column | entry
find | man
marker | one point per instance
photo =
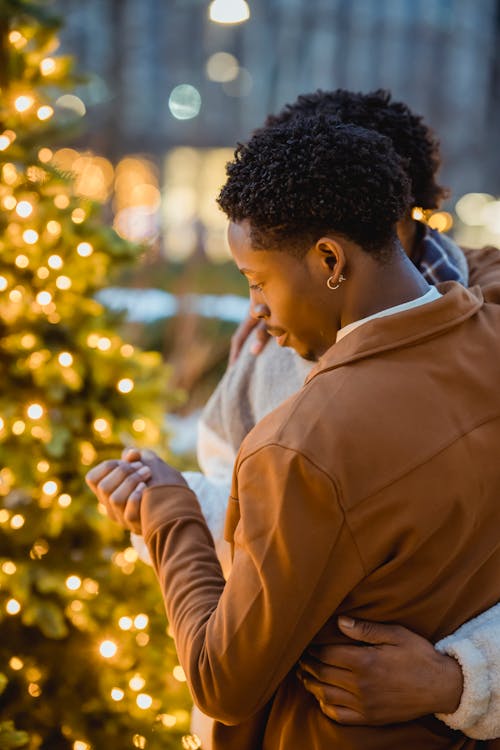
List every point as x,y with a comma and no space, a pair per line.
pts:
284,192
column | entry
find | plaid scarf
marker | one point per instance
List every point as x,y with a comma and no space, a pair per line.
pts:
441,259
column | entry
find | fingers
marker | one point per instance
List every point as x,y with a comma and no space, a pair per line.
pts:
261,338
239,337
325,673
94,476
372,632
131,454
117,485
336,703
347,658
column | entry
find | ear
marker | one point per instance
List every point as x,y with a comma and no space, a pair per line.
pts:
330,255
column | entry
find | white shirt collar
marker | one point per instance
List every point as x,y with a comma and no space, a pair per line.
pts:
429,296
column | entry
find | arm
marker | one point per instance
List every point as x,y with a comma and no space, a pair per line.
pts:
484,270
397,675
215,622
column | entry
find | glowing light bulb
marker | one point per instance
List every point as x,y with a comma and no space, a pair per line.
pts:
117,694
138,740
17,39
54,228
141,621
23,103
81,745
55,262
125,623
43,467
101,425
50,487
30,236
139,425
61,201
4,142
9,202
93,340
22,261
47,66
104,344
64,500
16,295
17,521
45,155
13,607
63,282
108,649
137,682
18,427
229,11
179,674
9,568
35,411
45,112
84,249
144,700
125,385
78,215
126,350
24,209
130,555
65,359
73,583
16,663
44,298
167,720
43,273
3,283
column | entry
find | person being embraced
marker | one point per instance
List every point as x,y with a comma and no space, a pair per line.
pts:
346,498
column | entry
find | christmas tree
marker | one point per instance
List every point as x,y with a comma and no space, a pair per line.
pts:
85,659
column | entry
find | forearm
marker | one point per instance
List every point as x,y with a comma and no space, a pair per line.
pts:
476,647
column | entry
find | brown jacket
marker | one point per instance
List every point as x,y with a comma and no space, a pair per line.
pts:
372,492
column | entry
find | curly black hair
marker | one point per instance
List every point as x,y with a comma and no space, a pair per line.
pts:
299,180
412,139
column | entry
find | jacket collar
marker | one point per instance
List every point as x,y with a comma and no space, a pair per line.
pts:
403,329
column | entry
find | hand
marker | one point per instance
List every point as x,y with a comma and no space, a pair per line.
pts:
159,471
399,676
243,332
118,486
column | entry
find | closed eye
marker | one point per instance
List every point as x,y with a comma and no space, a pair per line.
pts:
255,287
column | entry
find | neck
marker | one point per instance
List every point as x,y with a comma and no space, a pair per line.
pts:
407,234
380,285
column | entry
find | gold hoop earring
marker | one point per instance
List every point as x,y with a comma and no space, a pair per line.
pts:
330,284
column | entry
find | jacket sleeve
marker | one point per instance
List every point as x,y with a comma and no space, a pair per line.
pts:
237,640
484,270
476,646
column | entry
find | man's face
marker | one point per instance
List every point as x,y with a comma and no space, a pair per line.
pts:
288,293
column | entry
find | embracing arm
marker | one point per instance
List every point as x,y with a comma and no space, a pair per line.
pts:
214,621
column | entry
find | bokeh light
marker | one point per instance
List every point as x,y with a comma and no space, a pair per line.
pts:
184,102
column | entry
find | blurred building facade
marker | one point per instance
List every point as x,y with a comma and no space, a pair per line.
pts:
440,56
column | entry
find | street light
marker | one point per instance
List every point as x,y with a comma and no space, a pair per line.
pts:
229,11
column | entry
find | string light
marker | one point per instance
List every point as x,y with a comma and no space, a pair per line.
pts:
127,350
144,701
101,425
13,607
139,425
47,66
3,283
73,583
63,282
4,515
137,682
54,228
22,261
17,39
16,663
16,295
9,202
23,103
65,359
78,216
24,209
55,262
81,745
17,521
125,623
167,720
43,273
50,487
18,427
4,142
45,155
34,690
103,344
141,621
179,673
9,568
117,694
139,741
125,385
45,112
30,236
108,649
64,500
43,466
44,298
35,411
84,249
61,201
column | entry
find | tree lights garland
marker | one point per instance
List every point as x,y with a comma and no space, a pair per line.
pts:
79,666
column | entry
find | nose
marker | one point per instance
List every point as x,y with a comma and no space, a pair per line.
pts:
259,311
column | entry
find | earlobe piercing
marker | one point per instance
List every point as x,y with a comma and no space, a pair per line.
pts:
330,285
